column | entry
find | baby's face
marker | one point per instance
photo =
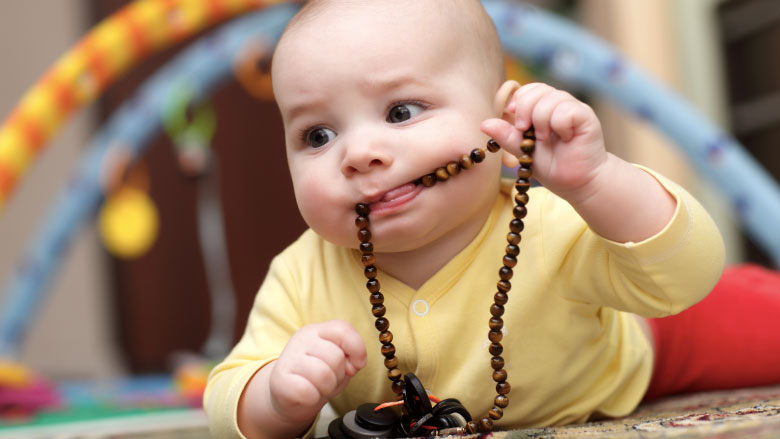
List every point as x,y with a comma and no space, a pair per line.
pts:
373,98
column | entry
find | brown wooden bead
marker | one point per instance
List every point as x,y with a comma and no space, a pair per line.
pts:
510,261
492,145
428,180
366,248
504,286
495,336
373,285
361,222
496,310
513,238
368,260
394,374
370,272
388,350
472,427
381,324
385,337
465,161
503,388
521,198
497,362
376,298
528,146
477,155
525,160
522,185
495,349
519,211
391,363
486,424
529,133
516,226
453,168
362,209
496,413
364,235
505,273
496,323
512,249
499,376
500,298
524,173
398,388
441,174
378,310
501,401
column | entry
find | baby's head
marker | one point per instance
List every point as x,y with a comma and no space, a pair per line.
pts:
375,94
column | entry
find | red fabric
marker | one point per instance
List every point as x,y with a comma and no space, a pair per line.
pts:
730,339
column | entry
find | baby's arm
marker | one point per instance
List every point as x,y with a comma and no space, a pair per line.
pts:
619,201
284,398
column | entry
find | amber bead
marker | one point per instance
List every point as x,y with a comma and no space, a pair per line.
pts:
501,401
513,238
477,155
505,273
370,272
376,298
497,362
388,350
385,337
472,427
492,145
378,310
381,324
521,198
504,286
465,161
362,209
391,363
496,413
524,172
510,261
503,388
522,185
394,374
486,424
366,248
364,235
453,168
525,160
398,387
512,249
500,298
528,146
519,211
499,376
441,174
361,222
496,323
495,336
373,285
428,180
516,226
529,133
496,310
495,349
367,260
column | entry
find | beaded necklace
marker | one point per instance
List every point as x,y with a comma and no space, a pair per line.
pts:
496,324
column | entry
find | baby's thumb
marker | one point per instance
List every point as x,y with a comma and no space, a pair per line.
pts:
504,133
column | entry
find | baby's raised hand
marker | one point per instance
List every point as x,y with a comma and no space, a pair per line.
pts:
315,365
569,147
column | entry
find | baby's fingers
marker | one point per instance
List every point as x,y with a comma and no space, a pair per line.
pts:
504,133
343,335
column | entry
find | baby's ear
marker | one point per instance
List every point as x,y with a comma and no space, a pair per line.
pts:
502,99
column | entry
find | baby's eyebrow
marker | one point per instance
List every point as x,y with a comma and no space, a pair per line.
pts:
375,83
304,107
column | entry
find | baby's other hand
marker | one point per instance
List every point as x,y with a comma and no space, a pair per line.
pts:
569,148
315,365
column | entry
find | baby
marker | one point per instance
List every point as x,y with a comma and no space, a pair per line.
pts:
376,94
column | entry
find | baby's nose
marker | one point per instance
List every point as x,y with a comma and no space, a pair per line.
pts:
364,156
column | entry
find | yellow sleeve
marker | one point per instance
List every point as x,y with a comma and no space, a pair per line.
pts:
274,318
659,276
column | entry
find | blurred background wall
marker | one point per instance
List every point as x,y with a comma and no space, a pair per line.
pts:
105,317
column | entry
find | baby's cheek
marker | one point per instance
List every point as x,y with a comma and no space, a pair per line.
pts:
324,213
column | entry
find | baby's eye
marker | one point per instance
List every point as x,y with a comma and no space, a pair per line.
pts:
403,112
319,137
